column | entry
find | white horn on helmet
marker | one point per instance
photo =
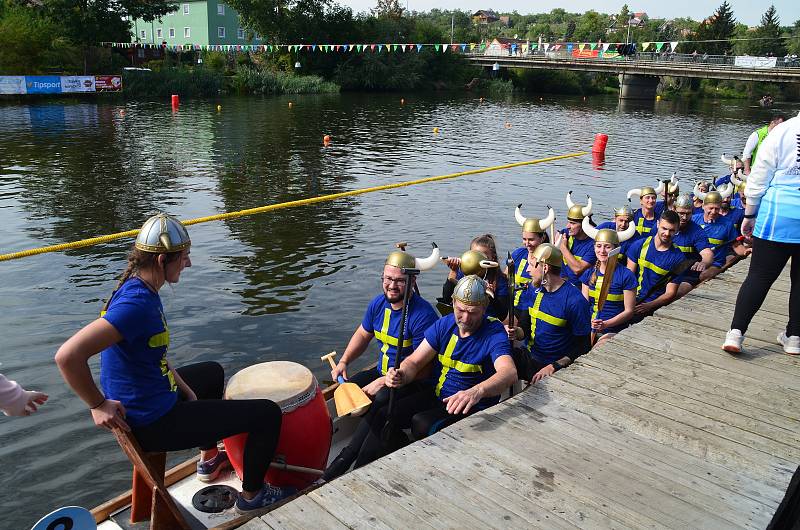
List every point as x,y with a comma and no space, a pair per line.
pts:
734,179
570,204
547,221
587,210
697,193
488,264
634,191
726,161
660,188
591,231
726,190
518,215
627,233
428,263
674,178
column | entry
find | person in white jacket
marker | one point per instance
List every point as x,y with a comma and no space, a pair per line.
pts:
772,219
16,401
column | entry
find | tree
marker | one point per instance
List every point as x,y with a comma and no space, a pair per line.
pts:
388,9
591,27
719,27
571,25
794,41
768,35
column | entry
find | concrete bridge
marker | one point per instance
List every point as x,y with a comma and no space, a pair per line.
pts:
639,75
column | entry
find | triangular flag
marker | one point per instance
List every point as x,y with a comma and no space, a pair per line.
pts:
454,47
471,46
444,48
436,47
314,47
659,45
419,47
646,45
372,47
581,46
359,47
380,47
463,48
545,46
483,46
593,45
569,47
673,45
513,48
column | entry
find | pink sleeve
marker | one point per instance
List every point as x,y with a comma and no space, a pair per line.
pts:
12,397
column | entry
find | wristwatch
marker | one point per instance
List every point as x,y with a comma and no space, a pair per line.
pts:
556,366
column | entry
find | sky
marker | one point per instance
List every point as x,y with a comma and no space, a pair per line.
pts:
746,11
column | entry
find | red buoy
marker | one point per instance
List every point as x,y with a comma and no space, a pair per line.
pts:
600,141
175,100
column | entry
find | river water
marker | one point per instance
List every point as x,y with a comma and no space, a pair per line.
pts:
292,284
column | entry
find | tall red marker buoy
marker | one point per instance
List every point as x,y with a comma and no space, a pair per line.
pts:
600,141
175,101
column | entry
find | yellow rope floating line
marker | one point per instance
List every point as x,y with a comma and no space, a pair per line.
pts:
271,207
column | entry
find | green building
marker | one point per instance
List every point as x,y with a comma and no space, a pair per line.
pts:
201,22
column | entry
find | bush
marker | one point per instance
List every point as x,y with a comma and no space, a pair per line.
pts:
262,81
184,81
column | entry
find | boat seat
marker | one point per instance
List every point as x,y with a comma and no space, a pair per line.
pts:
149,496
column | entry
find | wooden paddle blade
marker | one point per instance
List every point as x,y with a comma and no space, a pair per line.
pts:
349,398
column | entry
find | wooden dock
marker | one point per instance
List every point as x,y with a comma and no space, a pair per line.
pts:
658,429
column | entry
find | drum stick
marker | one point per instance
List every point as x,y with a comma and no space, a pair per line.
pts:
296,469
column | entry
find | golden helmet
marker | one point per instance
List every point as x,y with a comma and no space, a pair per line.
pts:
623,211
471,290
714,196
403,260
606,235
641,192
549,254
577,212
162,233
471,262
532,224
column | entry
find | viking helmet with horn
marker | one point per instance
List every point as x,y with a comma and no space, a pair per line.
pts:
403,260
623,211
647,190
163,233
606,235
716,196
532,224
659,190
476,262
549,254
577,212
471,290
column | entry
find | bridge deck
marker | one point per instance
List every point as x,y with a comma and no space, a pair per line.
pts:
658,429
642,67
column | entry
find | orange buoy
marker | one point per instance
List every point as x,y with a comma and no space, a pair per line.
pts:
326,140
507,125
436,130
175,100
600,141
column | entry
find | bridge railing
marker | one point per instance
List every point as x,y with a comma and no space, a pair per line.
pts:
643,57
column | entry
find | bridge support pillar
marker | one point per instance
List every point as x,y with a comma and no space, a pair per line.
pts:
633,86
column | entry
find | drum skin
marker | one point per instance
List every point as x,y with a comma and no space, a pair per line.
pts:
305,440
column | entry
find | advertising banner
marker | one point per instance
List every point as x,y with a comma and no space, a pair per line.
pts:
43,84
748,61
12,84
108,83
77,83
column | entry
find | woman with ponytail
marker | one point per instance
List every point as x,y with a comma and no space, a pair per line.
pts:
166,409
617,309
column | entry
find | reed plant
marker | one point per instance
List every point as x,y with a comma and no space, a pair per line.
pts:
249,80
188,82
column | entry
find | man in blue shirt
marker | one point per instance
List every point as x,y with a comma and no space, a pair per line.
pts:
646,217
382,321
721,233
575,246
554,319
691,239
534,233
652,259
471,363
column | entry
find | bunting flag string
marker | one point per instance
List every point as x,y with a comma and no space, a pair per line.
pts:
569,47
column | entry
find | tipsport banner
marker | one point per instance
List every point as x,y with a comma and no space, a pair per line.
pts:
51,84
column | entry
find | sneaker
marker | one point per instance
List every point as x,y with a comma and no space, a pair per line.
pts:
340,465
268,495
209,470
733,341
791,343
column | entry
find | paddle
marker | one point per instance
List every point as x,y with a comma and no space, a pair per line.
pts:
674,272
391,436
349,397
608,276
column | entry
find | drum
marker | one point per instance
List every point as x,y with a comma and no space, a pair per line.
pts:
306,430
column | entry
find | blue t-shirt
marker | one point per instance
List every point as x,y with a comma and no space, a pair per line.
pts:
462,363
583,250
611,225
134,371
719,232
735,216
624,280
522,277
652,265
556,317
691,240
721,181
384,322
644,226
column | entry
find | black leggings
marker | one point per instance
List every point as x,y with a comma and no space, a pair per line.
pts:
766,263
203,422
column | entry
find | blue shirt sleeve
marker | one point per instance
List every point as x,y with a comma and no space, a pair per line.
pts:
125,314
629,282
588,255
634,249
433,333
701,240
498,344
369,316
586,276
423,319
582,311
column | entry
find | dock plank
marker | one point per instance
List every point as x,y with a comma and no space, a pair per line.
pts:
658,428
